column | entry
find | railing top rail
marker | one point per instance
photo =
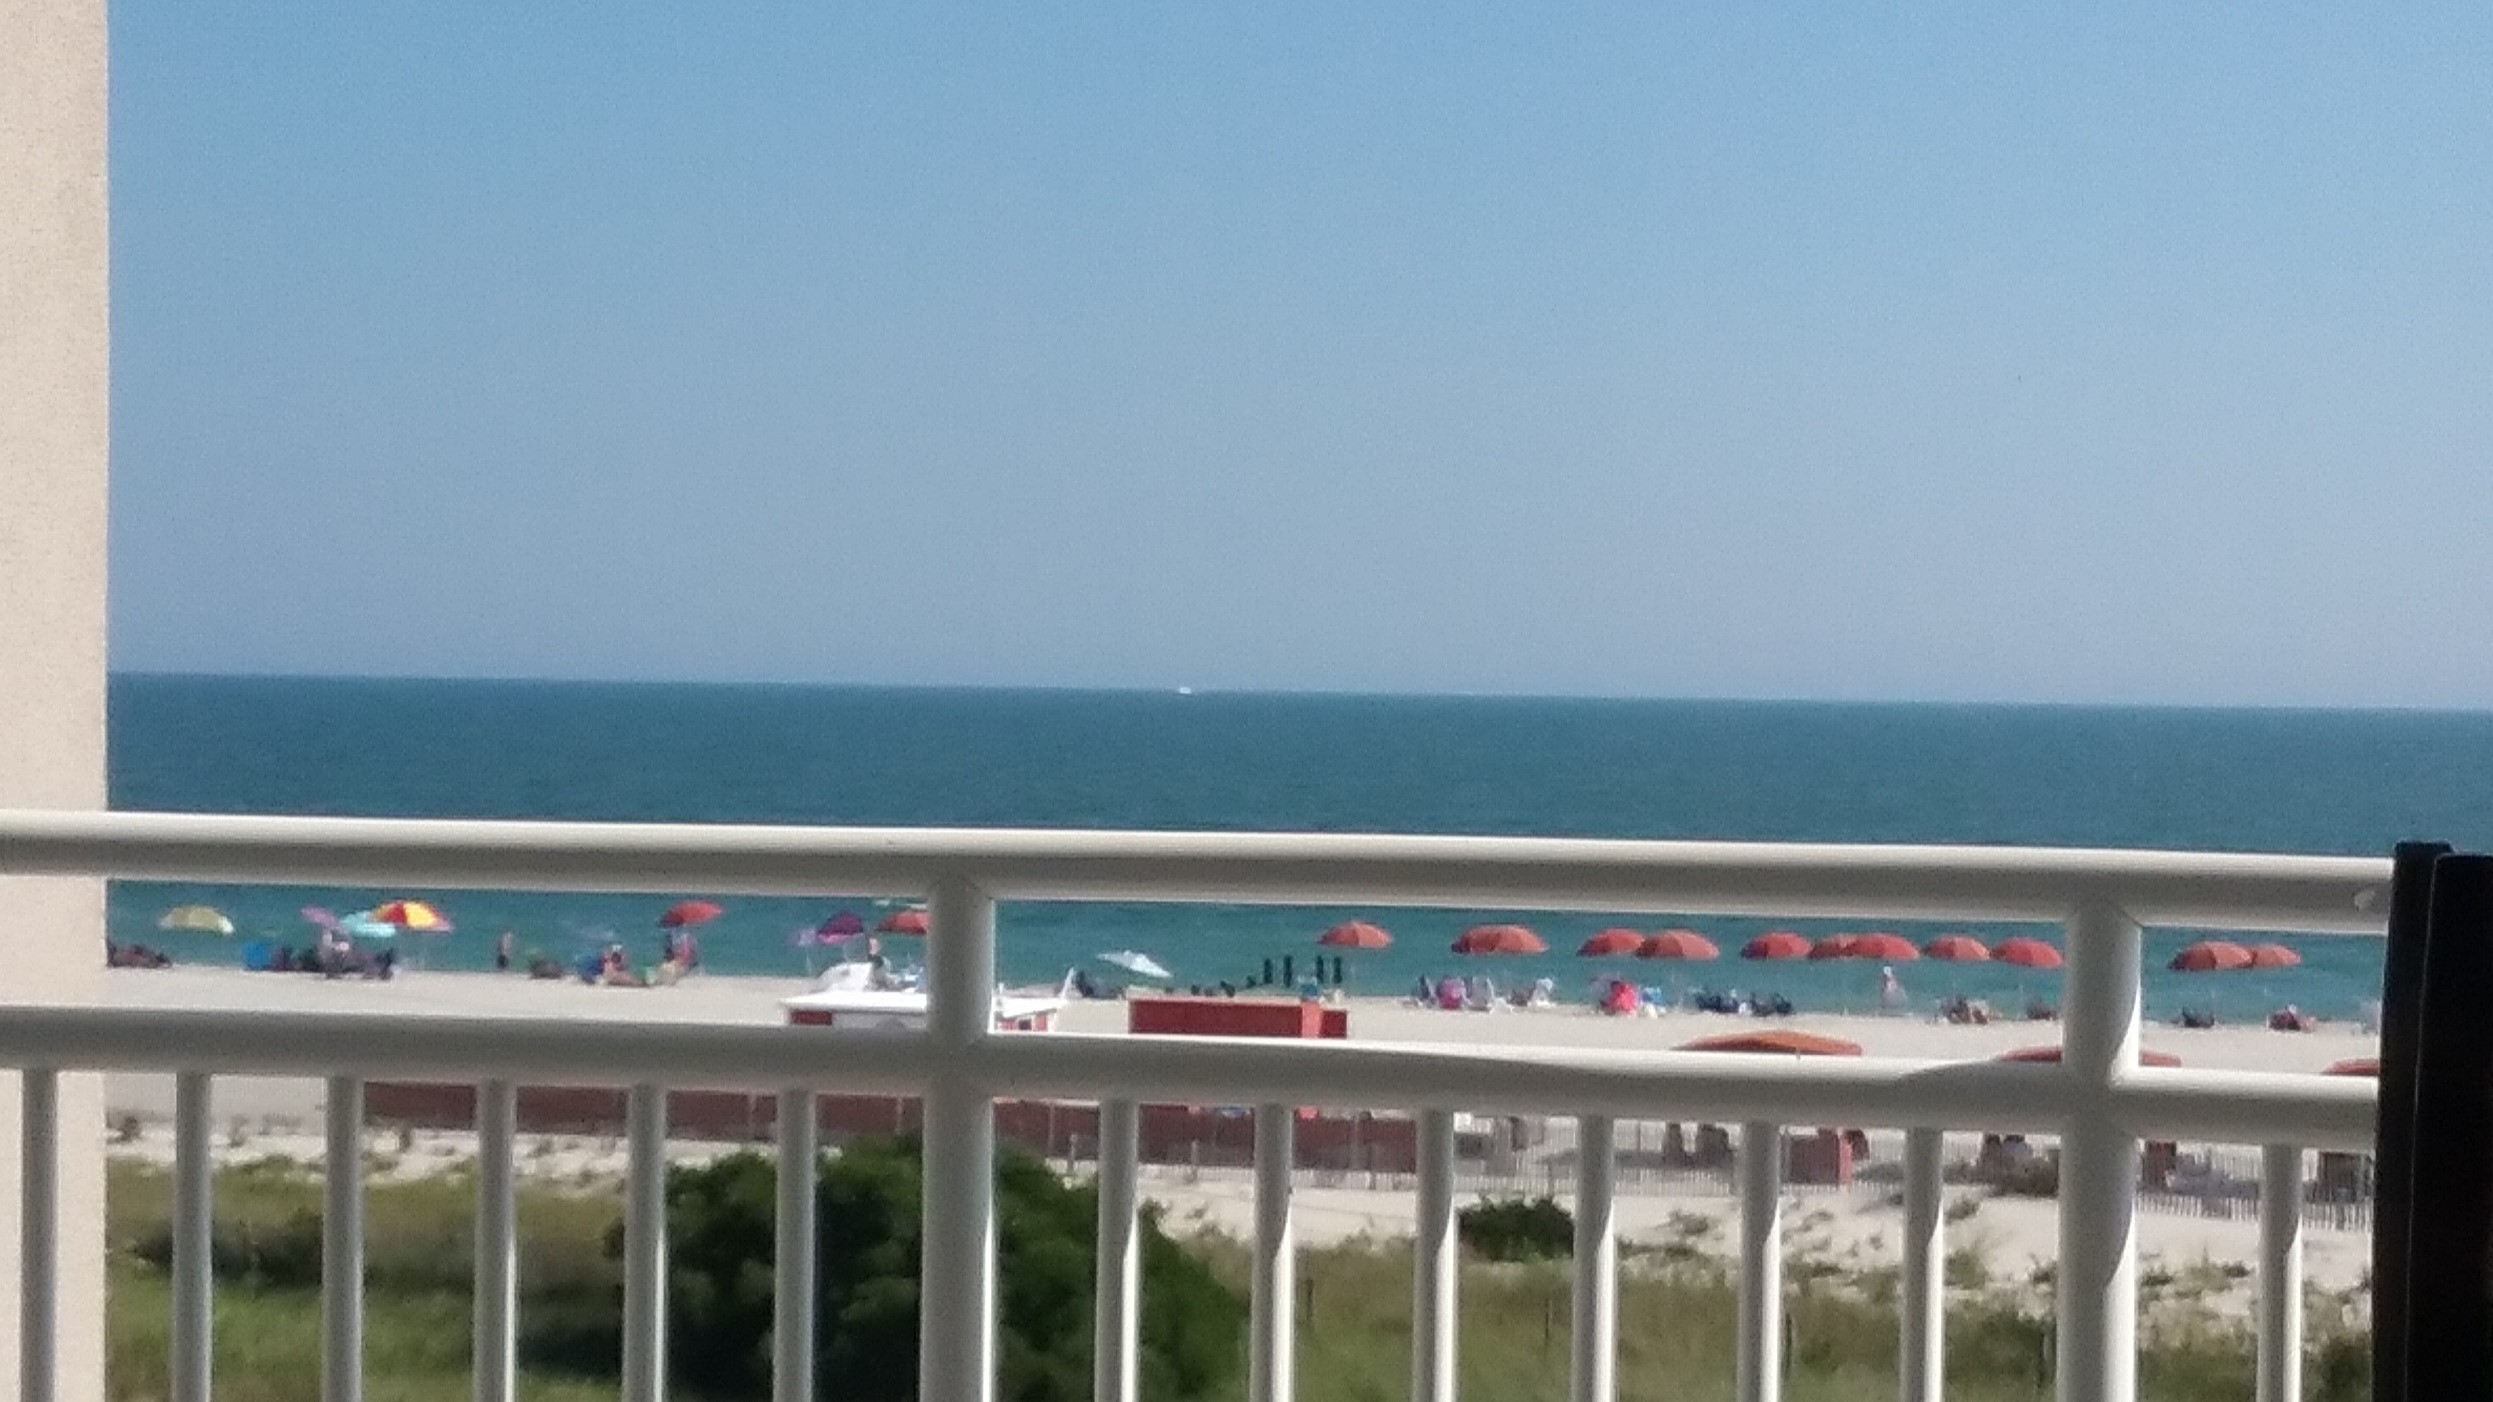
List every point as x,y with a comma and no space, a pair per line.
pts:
2199,889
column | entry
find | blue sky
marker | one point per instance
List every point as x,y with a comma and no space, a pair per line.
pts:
2013,352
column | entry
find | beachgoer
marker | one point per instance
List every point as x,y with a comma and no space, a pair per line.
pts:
1890,992
502,952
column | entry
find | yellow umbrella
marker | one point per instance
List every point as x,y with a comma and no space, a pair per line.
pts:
412,915
204,919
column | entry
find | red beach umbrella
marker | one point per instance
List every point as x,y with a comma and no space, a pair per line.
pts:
2211,957
1787,1042
1356,934
1958,949
1499,939
1611,943
1834,947
1887,949
684,913
902,922
1679,944
1776,944
2052,1054
2273,956
2027,953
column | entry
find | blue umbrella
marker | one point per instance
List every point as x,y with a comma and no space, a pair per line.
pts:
361,926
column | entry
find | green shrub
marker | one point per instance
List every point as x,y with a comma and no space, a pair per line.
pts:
1517,1229
721,1241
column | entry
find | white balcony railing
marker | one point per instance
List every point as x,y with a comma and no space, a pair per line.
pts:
2098,1099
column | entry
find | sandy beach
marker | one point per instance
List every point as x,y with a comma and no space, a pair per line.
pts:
705,998
1858,1225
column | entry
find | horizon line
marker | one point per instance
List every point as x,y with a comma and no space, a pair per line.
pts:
1200,692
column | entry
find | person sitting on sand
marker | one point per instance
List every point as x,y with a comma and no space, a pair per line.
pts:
2290,1019
616,970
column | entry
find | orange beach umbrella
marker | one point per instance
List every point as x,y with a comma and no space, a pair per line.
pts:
2053,1054
1356,934
2211,957
2027,953
1611,943
1679,944
1776,944
1500,939
1782,1040
1957,949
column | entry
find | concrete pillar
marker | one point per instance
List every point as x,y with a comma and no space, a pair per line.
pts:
54,392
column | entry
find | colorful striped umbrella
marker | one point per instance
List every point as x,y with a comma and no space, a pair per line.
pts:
410,915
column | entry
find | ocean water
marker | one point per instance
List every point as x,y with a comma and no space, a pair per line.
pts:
2252,781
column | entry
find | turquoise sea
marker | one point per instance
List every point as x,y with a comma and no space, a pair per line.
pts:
2280,781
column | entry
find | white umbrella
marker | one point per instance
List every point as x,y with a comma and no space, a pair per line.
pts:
1137,964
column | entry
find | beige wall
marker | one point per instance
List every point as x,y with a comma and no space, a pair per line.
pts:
54,390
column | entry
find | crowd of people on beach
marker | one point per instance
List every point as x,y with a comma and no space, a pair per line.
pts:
609,965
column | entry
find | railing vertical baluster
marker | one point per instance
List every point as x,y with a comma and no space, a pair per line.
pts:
1273,1311
1921,1307
496,1309
956,1311
194,1208
792,1293
1436,1262
2280,1274
2098,1269
1593,1366
39,1184
342,1245
645,1246
1758,1370
1116,1325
